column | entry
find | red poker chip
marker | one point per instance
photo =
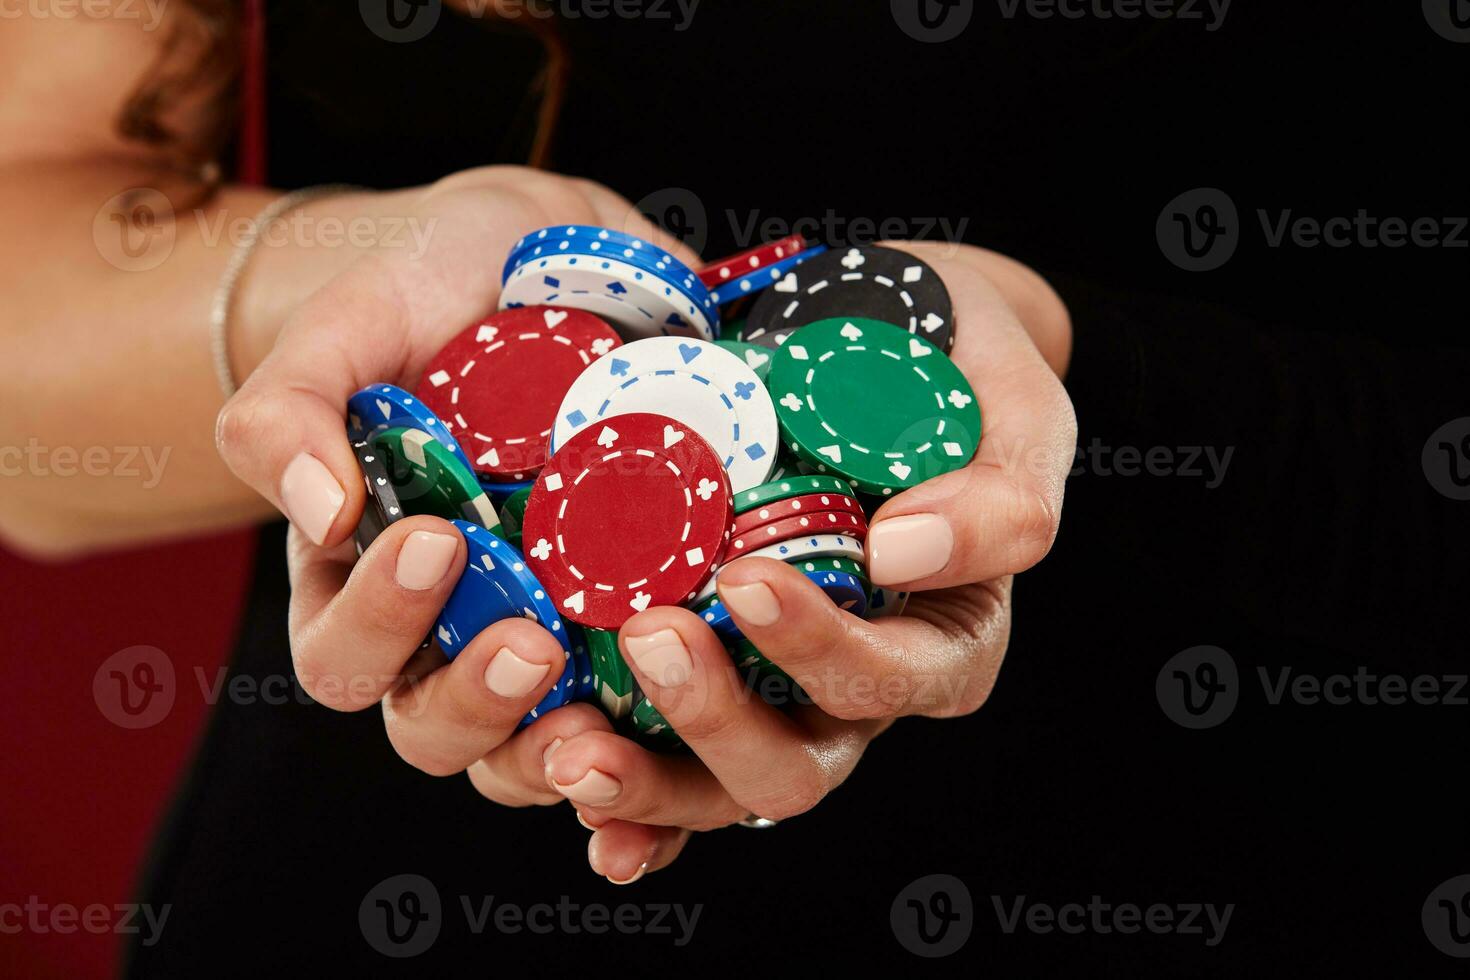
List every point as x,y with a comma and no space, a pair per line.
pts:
790,528
498,384
751,260
630,513
814,503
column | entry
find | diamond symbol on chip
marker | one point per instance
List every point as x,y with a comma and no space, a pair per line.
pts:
439,378
542,551
706,489
959,399
953,449
607,437
851,332
694,556
913,273
853,259
798,353
791,401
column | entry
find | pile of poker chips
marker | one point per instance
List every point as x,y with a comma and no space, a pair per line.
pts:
634,453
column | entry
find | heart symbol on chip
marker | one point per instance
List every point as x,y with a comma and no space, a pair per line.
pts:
851,332
554,317
834,453
576,602
385,407
689,352
639,602
672,436
607,437
787,285
491,458
900,470
917,348
756,360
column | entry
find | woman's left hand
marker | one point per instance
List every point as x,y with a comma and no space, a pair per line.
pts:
955,542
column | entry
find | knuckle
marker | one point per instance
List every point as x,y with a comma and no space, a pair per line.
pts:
705,724
243,419
790,800
1034,521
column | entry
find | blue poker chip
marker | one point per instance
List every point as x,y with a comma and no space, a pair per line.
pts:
749,285
497,585
661,266
587,240
843,588
501,492
384,406
585,688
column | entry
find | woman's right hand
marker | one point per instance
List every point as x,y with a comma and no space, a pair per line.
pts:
356,625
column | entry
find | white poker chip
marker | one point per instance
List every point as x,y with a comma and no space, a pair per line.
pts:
886,602
640,302
696,382
816,546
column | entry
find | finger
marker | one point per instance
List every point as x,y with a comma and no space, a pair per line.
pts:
623,852
442,722
354,626
614,778
999,515
514,773
755,752
938,665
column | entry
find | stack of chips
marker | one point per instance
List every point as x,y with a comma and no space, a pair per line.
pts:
634,454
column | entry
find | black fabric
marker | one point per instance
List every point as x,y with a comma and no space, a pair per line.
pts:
1323,548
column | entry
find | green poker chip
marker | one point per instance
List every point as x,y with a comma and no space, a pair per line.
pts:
650,724
873,403
758,359
748,658
429,479
786,487
512,514
611,678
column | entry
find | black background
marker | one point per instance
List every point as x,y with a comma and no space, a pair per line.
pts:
1325,549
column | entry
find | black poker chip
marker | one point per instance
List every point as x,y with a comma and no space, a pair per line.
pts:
383,507
871,282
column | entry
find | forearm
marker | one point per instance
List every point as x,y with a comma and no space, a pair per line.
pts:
107,414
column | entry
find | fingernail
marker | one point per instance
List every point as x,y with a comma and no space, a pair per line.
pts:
905,549
511,677
662,657
755,603
594,789
583,822
311,495
550,750
642,870
423,560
